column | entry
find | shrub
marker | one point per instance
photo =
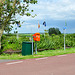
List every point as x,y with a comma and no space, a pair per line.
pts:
50,42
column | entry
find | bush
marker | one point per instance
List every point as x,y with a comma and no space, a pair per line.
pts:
50,42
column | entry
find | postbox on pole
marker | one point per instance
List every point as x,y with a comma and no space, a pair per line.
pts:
36,38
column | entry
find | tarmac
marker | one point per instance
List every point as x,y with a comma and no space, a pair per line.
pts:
5,60
54,65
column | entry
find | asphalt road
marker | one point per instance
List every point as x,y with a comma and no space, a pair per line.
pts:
5,60
55,65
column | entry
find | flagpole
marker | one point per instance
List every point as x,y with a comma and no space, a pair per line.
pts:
17,33
64,39
38,26
18,25
31,30
64,33
44,27
44,31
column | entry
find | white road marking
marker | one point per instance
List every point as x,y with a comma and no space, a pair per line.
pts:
61,55
41,58
14,63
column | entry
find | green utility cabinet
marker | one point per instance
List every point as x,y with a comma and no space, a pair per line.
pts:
26,48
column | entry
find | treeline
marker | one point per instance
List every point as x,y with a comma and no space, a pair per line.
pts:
55,31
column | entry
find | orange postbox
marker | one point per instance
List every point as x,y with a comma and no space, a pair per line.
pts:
36,37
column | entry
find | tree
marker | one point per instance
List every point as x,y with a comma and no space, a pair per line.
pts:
54,31
8,10
8,28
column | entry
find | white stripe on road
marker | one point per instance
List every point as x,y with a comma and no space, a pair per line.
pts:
61,55
41,58
14,63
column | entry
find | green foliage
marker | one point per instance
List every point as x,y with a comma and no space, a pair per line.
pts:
11,43
56,41
50,42
54,31
8,28
9,8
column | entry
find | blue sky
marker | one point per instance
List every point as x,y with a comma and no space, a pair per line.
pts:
54,12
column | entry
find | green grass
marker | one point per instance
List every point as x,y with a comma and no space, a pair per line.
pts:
45,53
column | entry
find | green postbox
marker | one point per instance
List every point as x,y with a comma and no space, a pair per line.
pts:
26,48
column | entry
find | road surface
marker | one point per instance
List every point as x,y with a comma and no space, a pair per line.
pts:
55,65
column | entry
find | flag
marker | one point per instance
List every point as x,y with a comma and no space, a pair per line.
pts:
44,23
38,25
18,24
64,28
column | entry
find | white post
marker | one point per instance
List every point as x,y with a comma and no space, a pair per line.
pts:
17,33
44,31
64,39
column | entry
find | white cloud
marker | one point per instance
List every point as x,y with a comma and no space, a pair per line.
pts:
28,28
53,9
31,26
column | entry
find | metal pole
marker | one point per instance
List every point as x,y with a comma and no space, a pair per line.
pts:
35,47
64,39
44,31
17,34
32,45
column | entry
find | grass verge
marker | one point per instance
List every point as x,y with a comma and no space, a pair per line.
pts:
45,53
